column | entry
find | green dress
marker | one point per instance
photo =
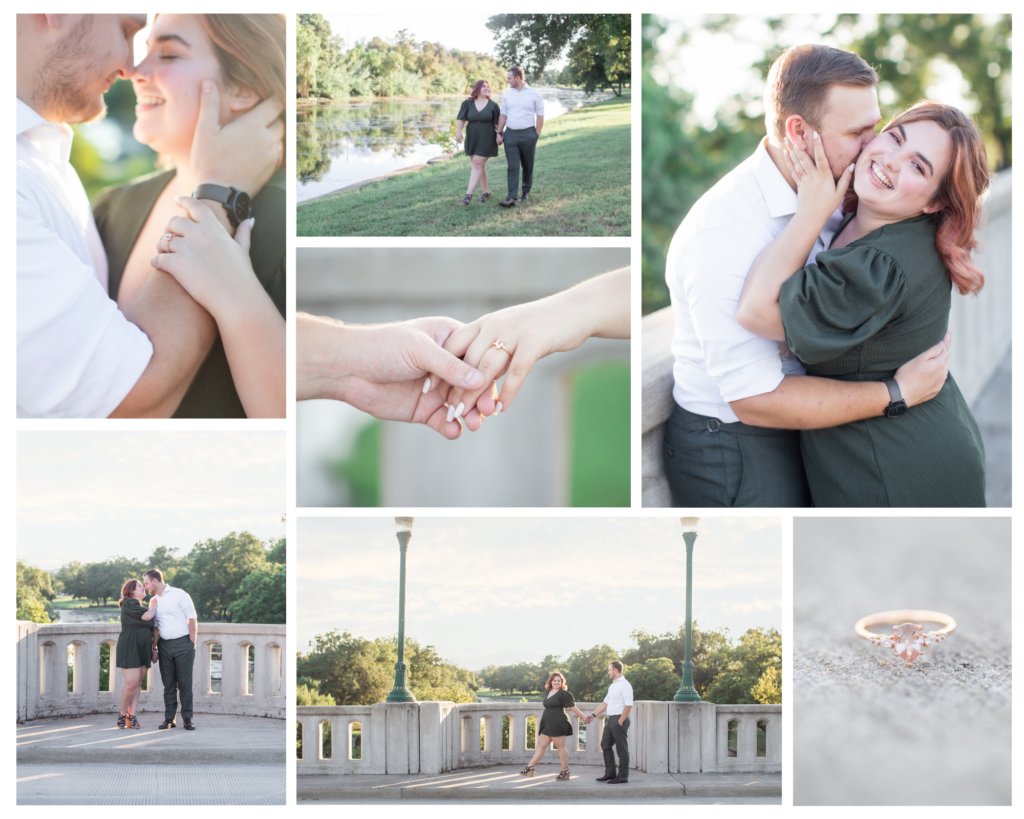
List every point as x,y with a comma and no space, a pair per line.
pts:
481,138
555,722
857,314
120,214
135,644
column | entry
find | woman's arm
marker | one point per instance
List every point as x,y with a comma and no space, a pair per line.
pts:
151,611
817,198
216,271
459,125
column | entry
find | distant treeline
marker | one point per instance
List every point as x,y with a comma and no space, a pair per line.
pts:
235,579
398,67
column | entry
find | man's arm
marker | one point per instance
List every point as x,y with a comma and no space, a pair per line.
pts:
599,710
625,714
193,630
540,123
501,122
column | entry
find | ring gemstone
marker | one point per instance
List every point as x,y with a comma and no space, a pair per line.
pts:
908,640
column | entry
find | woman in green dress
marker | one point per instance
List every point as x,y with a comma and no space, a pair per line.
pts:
479,116
554,724
878,297
244,373
134,653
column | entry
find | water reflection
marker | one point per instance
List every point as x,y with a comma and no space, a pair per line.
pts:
347,142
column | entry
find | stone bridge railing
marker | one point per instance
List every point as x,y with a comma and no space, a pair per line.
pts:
436,737
59,669
981,339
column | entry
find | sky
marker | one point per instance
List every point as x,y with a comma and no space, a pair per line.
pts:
499,590
90,496
466,32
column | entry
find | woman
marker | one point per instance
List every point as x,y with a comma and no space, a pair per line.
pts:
244,375
554,724
479,116
877,298
135,653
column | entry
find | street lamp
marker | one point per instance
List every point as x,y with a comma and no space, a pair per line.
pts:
401,692
686,692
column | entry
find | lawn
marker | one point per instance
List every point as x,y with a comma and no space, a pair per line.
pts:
65,602
581,187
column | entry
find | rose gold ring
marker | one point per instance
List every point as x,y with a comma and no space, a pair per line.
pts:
167,241
908,638
500,345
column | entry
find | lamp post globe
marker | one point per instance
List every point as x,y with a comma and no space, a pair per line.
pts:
401,692
686,692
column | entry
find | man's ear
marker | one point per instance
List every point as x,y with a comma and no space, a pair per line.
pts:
799,131
242,99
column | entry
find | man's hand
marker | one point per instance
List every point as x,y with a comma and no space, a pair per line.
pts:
921,378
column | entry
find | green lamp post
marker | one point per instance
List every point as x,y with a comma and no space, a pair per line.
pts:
401,692
686,692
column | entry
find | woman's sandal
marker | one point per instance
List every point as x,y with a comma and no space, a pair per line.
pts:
121,720
527,771
485,196
562,777
467,199
134,722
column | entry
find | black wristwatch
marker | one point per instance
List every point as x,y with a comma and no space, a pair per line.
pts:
897,406
237,203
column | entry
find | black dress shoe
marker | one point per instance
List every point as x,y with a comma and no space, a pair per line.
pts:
524,197
188,724
618,781
507,203
167,723
606,778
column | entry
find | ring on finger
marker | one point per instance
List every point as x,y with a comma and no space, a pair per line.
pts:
167,241
500,345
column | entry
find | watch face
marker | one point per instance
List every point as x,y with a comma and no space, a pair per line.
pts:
243,206
896,409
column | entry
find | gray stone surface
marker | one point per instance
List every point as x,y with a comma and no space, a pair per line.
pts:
96,739
151,784
504,783
867,730
993,410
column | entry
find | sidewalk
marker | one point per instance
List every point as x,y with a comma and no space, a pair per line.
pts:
504,783
993,410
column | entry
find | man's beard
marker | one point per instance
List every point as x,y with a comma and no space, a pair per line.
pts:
65,74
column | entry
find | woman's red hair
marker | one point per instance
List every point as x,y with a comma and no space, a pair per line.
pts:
565,685
476,88
127,590
960,191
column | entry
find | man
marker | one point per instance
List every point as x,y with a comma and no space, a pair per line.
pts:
519,126
618,702
78,355
732,439
176,648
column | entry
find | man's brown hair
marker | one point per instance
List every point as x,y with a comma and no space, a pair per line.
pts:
616,665
516,71
801,79
155,574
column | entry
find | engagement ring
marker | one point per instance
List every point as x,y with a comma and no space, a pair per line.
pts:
500,345
167,240
908,638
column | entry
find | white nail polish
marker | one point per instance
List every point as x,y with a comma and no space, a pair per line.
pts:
497,409
451,413
461,407
426,386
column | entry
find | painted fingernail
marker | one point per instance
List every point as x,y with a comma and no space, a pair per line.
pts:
177,198
207,86
497,408
451,412
474,378
852,166
815,134
426,385
252,222
459,409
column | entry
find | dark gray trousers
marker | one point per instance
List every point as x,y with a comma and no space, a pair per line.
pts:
177,657
709,463
615,734
520,147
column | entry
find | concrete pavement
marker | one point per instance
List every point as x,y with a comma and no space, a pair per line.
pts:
993,410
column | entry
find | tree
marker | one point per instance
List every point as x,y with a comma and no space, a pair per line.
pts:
307,692
655,679
218,568
588,671
768,690
757,651
164,559
706,649
262,597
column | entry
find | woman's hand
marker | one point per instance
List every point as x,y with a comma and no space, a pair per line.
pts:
458,136
818,194
501,139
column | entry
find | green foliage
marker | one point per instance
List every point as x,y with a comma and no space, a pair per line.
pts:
599,45
262,596
707,648
445,140
768,690
587,672
360,470
218,568
743,666
655,679
34,593
600,412
307,692
33,610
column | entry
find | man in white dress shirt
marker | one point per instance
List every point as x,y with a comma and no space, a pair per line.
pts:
618,702
78,355
519,126
176,648
732,440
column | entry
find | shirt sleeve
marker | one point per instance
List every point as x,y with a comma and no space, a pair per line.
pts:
841,301
463,111
504,105
78,356
538,104
568,700
627,694
709,269
187,607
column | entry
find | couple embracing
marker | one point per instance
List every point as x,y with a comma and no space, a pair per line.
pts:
164,633
516,125
811,291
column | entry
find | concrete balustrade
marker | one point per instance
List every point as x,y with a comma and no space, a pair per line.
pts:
42,668
982,329
431,738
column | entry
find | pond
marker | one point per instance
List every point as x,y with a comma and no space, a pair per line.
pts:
353,140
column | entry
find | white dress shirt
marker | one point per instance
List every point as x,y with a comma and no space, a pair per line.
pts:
716,360
173,612
520,107
620,694
78,356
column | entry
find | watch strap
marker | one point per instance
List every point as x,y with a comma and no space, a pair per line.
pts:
894,389
208,190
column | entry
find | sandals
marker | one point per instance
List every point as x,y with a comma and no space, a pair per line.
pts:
134,722
467,199
527,771
562,777
121,720
485,196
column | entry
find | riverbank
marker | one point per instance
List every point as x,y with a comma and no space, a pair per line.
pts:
581,188
313,101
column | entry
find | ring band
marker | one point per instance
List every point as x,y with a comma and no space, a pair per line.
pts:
908,638
167,241
500,345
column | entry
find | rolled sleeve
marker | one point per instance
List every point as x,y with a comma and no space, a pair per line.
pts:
188,607
627,695
538,104
78,356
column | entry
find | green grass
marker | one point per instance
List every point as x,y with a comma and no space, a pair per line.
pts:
518,697
581,187
600,436
65,602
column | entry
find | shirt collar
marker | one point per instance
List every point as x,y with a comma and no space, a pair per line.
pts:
778,195
53,139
